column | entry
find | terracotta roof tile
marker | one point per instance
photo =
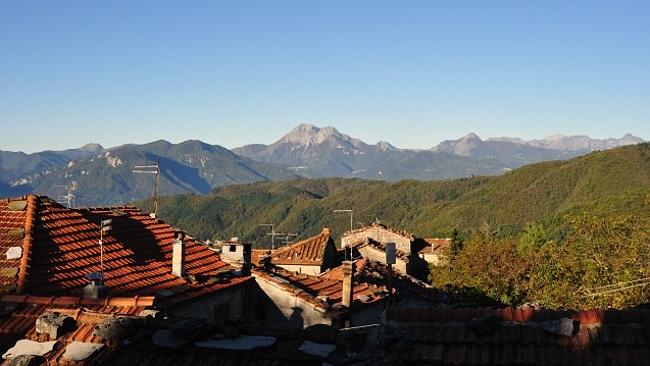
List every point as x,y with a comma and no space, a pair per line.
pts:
307,252
60,248
393,230
15,232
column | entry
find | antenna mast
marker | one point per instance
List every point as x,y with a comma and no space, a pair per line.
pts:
69,197
151,169
351,228
104,227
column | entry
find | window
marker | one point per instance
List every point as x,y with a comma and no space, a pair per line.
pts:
233,248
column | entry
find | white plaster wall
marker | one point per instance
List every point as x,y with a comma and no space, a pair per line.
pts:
311,270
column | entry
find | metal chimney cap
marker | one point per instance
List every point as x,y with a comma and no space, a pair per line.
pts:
94,276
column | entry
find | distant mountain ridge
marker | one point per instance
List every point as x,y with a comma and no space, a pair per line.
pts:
325,152
104,176
575,142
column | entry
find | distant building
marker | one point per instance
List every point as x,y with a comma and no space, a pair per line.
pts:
355,292
370,242
310,256
437,250
235,253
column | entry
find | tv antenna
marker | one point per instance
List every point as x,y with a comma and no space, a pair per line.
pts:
287,237
272,234
151,169
68,197
104,227
351,228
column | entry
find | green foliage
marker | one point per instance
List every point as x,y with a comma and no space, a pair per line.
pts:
541,193
597,252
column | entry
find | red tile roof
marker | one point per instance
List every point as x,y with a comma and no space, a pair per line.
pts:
306,252
14,233
326,289
61,248
402,233
139,350
436,245
22,311
521,336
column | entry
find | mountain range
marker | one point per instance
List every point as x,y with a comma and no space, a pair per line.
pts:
103,176
542,193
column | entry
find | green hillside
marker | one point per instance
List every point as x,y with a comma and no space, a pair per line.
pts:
602,183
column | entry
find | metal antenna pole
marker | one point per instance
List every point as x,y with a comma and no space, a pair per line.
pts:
104,226
155,189
151,169
351,227
272,233
101,249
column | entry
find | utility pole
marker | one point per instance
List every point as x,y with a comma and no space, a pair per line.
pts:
351,227
151,169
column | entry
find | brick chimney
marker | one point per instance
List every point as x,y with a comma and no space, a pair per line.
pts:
348,282
178,255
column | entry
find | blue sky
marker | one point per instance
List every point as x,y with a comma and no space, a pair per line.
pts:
410,72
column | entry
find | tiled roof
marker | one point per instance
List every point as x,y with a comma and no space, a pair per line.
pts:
137,255
326,289
138,349
522,336
18,316
374,225
14,236
436,245
306,252
258,254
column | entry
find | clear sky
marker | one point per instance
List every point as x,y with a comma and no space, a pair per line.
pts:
229,73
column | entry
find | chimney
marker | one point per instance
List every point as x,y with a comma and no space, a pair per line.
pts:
348,283
178,255
96,288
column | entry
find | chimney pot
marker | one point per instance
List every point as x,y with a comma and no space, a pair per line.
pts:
96,288
348,274
178,256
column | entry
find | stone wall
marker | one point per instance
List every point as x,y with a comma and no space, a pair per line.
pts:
380,235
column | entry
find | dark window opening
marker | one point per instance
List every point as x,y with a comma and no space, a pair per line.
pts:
233,248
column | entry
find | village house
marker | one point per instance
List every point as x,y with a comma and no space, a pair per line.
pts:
236,253
370,242
310,256
47,249
437,250
354,293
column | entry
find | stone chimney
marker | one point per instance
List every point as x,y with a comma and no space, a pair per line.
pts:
178,255
348,283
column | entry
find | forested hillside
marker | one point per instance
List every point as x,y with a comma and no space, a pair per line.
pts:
602,183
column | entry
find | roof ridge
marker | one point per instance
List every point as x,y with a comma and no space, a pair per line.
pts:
27,243
325,231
